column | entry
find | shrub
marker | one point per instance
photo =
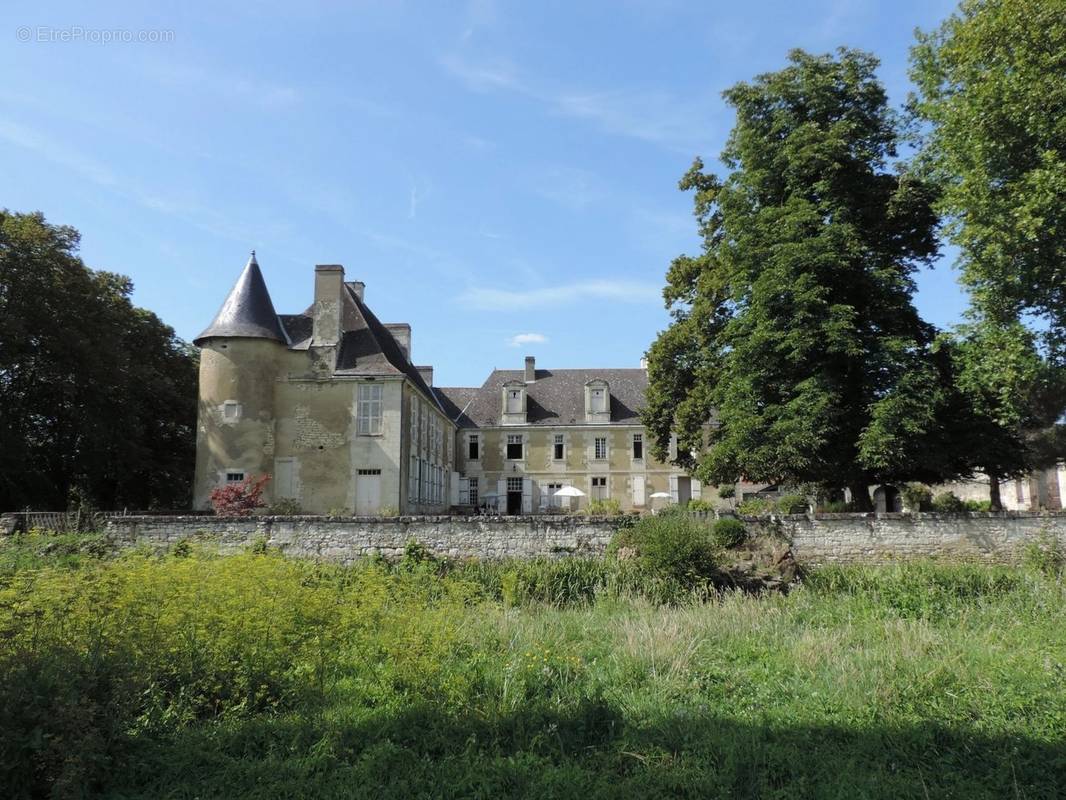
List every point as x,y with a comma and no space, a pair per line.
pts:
700,505
916,496
948,503
978,505
1045,556
285,508
728,533
608,507
726,492
836,507
677,547
793,504
239,499
756,507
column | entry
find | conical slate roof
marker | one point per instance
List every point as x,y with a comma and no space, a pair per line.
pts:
247,312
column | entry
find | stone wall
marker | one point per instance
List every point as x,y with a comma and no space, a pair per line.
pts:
880,538
827,538
347,539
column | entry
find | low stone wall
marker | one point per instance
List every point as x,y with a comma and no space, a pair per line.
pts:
826,538
881,538
349,538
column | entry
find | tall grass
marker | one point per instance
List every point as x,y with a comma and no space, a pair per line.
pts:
257,676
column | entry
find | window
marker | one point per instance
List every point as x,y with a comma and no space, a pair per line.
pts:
599,488
473,491
514,401
368,412
368,471
472,447
412,481
514,484
514,447
559,448
638,446
424,441
234,477
600,448
231,411
414,423
599,400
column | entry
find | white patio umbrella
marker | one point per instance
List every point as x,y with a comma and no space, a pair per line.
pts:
656,496
569,491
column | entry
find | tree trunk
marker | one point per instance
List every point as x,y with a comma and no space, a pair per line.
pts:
993,493
860,496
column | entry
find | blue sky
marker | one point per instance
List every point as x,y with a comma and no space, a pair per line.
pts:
489,169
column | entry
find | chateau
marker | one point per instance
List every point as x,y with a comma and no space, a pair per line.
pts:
330,403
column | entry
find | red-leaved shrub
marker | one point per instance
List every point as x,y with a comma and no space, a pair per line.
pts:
239,499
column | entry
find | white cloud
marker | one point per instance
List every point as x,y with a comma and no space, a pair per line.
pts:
527,338
564,294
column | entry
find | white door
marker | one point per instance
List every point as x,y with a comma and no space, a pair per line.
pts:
368,492
638,490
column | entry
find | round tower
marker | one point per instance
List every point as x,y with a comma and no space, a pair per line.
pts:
239,358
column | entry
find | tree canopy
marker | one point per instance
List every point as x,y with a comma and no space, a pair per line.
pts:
96,395
991,86
794,333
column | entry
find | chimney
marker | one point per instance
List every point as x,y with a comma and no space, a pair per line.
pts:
326,326
531,369
401,332
358,287
644,362
427,374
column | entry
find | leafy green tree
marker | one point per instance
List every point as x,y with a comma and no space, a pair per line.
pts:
992,89
795,353
97,396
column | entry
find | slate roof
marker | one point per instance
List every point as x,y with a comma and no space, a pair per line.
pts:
556,397
248,312
366,347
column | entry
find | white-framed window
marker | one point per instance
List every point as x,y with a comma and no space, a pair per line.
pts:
514,447
599,488
559,447
638,446
472,491
514,401
234,476
599,448
368,410
473,447
599,400
231,411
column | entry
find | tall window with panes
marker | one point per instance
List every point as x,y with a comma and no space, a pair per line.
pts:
368,411
514,447
473,447
638,446
559,447
600,448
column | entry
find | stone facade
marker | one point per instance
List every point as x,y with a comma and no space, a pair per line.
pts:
824,539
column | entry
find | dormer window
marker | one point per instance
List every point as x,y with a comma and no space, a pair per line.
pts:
513,399
597,401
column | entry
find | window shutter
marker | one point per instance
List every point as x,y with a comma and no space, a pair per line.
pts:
501,495
697,489
527,496
673,489
638,490
464,491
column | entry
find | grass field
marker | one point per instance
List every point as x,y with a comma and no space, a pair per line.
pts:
256,676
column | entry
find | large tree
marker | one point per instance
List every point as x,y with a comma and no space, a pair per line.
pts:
992,89
96,395
793,331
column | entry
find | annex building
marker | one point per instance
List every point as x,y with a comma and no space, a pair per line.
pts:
330,403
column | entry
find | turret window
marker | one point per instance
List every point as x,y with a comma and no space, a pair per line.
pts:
234,477
231,411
